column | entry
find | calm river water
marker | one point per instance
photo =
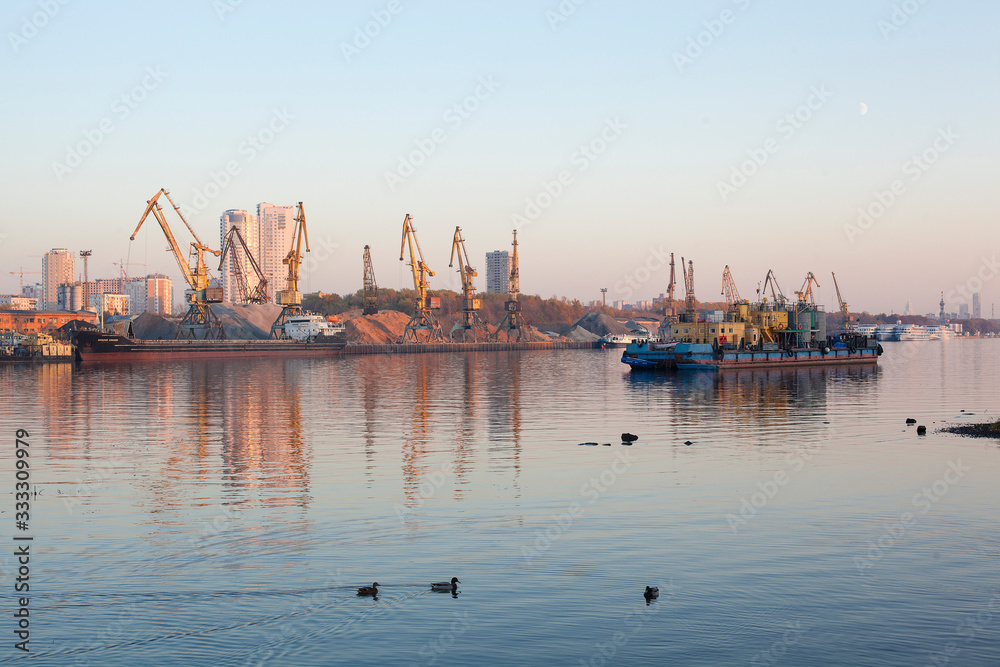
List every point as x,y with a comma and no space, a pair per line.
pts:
224,512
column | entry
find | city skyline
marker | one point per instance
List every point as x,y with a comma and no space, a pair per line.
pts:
851,138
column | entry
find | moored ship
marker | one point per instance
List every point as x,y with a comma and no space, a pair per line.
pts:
96,346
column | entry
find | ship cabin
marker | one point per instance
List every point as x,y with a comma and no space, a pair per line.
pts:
727,334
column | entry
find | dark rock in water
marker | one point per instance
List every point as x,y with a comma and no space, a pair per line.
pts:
628,437
921,430
688,443
588,444
911,420
607,444
626,444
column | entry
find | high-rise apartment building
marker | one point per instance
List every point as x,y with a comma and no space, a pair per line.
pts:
976,308
276,225
58,266
152,294
249,228
498,271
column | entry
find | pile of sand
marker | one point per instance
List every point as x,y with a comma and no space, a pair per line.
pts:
382,328
150,326
581,335
600,325
247,321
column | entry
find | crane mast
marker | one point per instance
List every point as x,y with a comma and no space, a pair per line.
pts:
513,320
469,319
843,305
199,316
370,306
230,249
689,300
422,318
290,298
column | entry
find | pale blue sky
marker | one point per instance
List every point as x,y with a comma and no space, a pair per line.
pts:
655,186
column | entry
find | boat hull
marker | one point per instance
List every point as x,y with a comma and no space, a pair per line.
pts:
95,347
699,357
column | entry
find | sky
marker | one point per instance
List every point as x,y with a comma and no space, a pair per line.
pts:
857,137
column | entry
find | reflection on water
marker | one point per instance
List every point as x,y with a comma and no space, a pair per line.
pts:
256,497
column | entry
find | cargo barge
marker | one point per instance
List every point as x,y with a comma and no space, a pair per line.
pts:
95,346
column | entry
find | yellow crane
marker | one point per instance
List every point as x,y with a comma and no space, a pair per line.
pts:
840,299
469,319
202,293
513,320
422,317
290,298
806,293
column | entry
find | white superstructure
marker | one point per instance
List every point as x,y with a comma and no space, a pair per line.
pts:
904,332
307,326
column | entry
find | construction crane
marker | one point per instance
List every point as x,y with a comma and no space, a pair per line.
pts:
469,320
806,294
689,301
776,294
840,299
513,320
290,298
202,293
123,267
370,286
229,249
729,288
20,272
422,317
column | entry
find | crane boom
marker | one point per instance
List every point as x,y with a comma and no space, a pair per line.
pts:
259,293
806,294
290,298
843,305
370,285
729,287
422,317
470,304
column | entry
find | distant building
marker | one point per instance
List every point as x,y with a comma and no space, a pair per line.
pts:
963,311
976,308
112,304
249,228
33,291
40,321
152,294
58,268
276,225
19,302
498,272
909,308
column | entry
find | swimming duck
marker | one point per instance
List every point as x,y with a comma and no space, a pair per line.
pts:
446,585
651,592
369,590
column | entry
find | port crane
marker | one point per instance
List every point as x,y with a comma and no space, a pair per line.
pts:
469,319
229,249
513,320
689,301
669,306
806,293
776,294
201,293
422,317
729,288
370,286
290,298
840,299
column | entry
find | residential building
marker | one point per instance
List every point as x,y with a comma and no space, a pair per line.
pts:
58,267
40,321
13,302
498,272
152,294
249,228
111,304
276,225
976,307
963,311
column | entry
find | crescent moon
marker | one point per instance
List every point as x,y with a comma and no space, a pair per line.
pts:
864,108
